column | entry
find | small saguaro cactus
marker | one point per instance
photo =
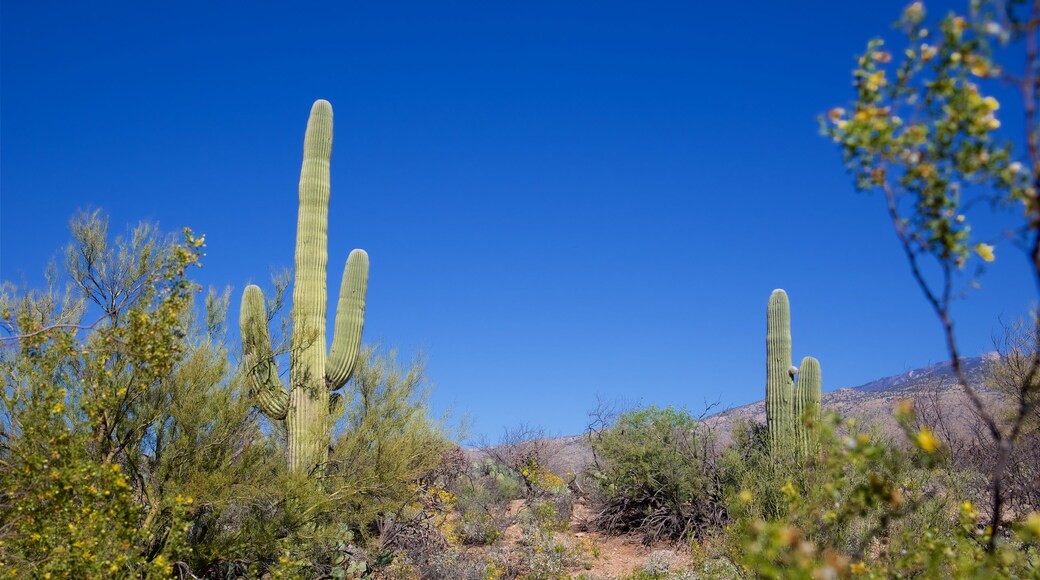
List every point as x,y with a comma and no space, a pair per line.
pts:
308,407
779,375
807,395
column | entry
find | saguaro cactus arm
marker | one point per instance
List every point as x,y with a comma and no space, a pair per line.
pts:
259,357
810,384
350,320
807,399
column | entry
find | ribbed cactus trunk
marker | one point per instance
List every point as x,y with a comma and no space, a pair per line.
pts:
308,398
779,378
808,393
307,408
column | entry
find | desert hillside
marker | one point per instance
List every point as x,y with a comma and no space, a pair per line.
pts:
933,388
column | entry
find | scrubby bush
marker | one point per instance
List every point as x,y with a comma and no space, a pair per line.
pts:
88,442
656,473
484,495
863,505
544,554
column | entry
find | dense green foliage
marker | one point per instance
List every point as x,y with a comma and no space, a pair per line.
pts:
90,465
656,474
130,445
864,505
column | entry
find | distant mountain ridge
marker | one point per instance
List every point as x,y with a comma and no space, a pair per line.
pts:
973,367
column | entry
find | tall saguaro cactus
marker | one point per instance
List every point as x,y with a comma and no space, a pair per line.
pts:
779,377
307,407
807,398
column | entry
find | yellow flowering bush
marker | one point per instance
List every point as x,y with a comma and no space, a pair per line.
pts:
862,507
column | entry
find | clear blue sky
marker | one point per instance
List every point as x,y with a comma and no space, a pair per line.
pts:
559,199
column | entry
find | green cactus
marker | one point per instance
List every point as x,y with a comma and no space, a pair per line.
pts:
307,407
779,374
786,405
807,395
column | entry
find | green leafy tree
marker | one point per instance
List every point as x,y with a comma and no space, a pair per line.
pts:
80,400
925,131
127,442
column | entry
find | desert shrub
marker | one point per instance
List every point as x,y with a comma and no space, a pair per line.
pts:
483,496
68,515
544,554
659,562
501,482
656,473
85,424
530,456
863,505
478,528
761,486
452,563
516,468
120,388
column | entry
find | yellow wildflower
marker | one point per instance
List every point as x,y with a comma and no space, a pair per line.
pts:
858,568
985,251
927,441
875,81
980,68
